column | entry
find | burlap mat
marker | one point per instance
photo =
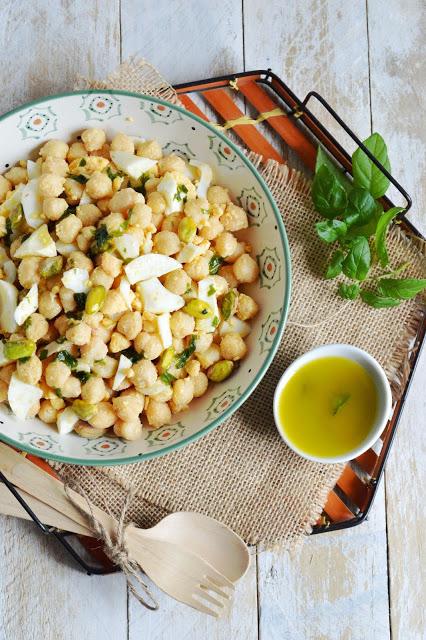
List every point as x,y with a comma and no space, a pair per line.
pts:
242,473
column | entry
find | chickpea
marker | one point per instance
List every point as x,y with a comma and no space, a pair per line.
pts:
247,308
121,142
220,284
158,413
47,412
99,277
166,242
114,305
118,342
76,150
61,324
145,374
149,344
130,430
93,391
181,324
93,139
227,273
201,382
28,271
94,350
36,327
104,333
106,368
212,229
79,334
197,209
157,202
110,264
99,186
3,391
6,372
203,342
56,374
68,229
226,244
171,163
16,175
240,249
177,281
5,186
198,268
105,416
77,260
54,148
58,166
125,199
89,214
54,208
233,347
218,195
29,371
152,184
128,405
85,238
246,269
71,388
114,222
178,345
209,356
193,368
73,191
48,305
130,324
234,218
149,149
3,227
183,392
66,297
50,185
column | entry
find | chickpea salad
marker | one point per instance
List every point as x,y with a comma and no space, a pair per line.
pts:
121,275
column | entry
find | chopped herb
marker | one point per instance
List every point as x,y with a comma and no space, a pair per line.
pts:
27,323
215,263
188,290
43,354
101,238
132,354
83,376
211,290
215,321
9,232
67,358
82,162
80,299
167,378
183,357
66,213
142,182
78,178
181,189
61,340
205,211
24,359
74,315
58,393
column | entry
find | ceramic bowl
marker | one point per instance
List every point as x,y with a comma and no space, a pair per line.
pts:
384,395
24,130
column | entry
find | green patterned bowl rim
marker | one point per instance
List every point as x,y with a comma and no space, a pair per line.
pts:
284,313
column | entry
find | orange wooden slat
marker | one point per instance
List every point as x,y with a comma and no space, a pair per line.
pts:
352,487
223,104
283,125
191,106
367,461
336,509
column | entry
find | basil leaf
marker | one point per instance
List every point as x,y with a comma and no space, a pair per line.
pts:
381,230
328,195
335,266
349,291
323,159
365,230
331,230
401,288
357,262
365,172
360,204
377,301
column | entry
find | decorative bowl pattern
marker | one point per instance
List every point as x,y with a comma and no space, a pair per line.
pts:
64,116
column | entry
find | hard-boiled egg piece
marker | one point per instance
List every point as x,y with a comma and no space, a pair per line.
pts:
54,347
158,387
158,299
27,306
82,366
76,279
3,359
191,251
127,245
33,169
234,325
9,271
205,177
12,202
124,366
22,396
8,304
207,293
65,249
147,243
152,265
133,165
168,187
126,292
165,333
39,244
66,421
32,204
85,198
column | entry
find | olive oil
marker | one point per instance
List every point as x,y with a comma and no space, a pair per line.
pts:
328,407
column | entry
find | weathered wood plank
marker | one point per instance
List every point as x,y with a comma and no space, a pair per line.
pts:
398,91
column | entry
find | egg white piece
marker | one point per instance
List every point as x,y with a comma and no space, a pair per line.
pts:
124,365
208,325
3,359
165,333
32,204
190,251
126,292
33,169
12,202
158,299
54,347
85,198
234,325
66,421
133,165
76,279
40,243
152,265
9,271
65,249
127,245
8,304
168,187
22,396
205,177
27,306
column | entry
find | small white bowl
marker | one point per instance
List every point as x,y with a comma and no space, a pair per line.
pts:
384,395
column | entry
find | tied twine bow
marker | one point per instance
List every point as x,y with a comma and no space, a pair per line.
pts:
115,547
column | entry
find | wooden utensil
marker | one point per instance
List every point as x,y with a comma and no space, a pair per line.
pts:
165,555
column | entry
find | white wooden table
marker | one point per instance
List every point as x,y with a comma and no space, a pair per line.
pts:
368,58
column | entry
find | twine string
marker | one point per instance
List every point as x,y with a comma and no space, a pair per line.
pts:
115,547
